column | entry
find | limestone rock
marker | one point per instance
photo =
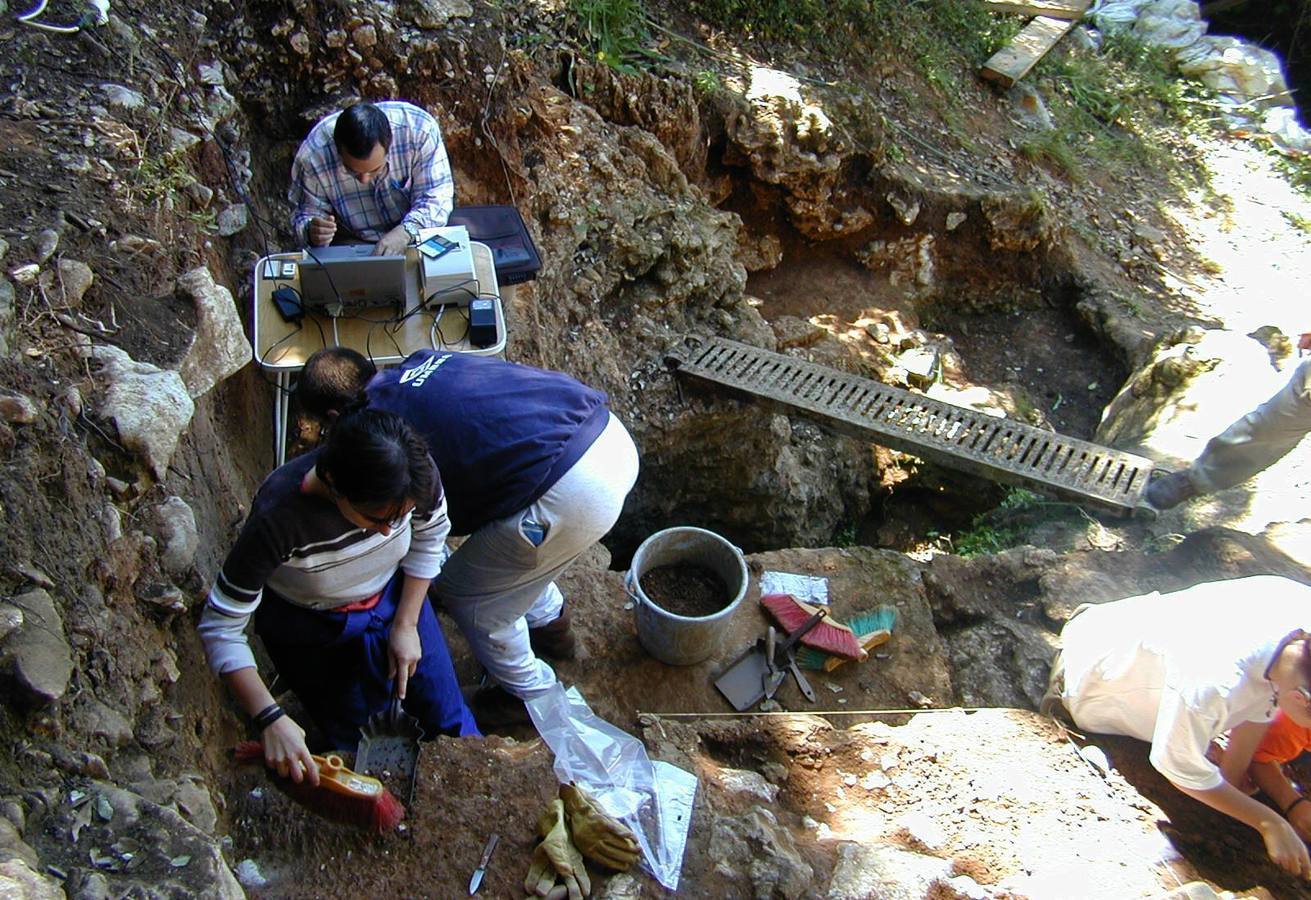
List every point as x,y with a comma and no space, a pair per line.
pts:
955,220
47,242
757,846
149,406
19,882
907,260
791,331
1173,404
434,13
25,274
180,140
17,409
136,819
232,219
906,208
6,301
219,348
68,282
177,535
187,794
760,252
11,619
123,97
1017,222
885,872
200,195
101,721
37,655
12,845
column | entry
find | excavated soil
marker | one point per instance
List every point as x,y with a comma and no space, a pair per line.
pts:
685,590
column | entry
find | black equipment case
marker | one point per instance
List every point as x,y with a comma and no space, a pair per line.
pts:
503,230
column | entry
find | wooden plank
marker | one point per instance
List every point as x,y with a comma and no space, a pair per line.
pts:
1056,9
1014,61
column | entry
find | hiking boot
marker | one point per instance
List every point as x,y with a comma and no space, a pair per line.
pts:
1171,490
495,707
554,639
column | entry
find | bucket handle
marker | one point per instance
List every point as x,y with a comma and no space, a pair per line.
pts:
630,588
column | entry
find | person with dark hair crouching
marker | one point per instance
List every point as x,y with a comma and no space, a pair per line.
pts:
334,563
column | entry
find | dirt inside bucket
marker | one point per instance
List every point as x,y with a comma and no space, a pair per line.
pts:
685,590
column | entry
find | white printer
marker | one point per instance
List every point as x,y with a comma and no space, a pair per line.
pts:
447,272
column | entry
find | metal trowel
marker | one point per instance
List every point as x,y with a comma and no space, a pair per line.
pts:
389,745
756,674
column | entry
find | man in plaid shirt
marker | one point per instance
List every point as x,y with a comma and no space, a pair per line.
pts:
377,171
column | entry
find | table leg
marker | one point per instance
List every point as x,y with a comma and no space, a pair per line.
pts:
280,407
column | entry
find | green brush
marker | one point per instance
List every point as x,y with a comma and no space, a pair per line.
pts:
882,619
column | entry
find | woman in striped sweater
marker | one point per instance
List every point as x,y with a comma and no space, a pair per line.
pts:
334,563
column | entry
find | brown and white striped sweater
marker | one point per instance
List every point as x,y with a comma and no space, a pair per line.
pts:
300,546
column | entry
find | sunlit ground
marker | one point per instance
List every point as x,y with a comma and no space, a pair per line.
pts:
1260,270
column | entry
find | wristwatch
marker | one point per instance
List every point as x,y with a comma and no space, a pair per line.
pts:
412,230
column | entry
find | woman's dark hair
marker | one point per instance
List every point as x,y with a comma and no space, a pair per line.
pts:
333,380
376,460
359,127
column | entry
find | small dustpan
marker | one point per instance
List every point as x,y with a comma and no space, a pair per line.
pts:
747,681
756,674
389,745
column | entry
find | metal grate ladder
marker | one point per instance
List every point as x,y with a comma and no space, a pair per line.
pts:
997,449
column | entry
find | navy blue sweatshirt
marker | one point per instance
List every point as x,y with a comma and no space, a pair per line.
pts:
501,434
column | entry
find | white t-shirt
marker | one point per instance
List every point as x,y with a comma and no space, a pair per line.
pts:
1180,669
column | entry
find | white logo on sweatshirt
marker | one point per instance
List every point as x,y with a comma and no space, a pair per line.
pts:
419,374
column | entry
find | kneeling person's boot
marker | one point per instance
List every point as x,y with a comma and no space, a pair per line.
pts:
555,639
1171,490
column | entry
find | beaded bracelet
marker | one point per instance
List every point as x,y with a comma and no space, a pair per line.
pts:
268,715
1288,809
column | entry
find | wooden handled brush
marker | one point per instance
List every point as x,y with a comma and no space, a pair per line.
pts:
341,795
829,636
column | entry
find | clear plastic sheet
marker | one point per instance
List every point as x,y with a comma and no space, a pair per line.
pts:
653,799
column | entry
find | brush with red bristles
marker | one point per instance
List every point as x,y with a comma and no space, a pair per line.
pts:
829,636
341,795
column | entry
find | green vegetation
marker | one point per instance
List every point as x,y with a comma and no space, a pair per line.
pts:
845,536
992,532
936,35
1123,105
1297,169
1300,222
1053,148
707,82
615,30
162,177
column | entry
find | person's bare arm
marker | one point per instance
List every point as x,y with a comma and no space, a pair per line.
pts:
1281,840
284,740
1242,744
1270,778
403,643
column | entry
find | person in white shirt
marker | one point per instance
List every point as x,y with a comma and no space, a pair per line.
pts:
1181,669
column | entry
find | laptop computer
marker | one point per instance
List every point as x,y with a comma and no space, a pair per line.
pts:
349,276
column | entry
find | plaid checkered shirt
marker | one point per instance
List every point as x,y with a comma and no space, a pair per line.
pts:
416,186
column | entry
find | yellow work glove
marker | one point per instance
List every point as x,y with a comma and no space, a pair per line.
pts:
556,859
602,838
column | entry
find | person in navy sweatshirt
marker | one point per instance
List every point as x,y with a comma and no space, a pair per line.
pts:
536,469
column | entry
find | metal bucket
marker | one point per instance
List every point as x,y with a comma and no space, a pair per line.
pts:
685,640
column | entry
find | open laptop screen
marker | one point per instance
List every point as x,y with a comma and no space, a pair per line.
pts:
352,277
